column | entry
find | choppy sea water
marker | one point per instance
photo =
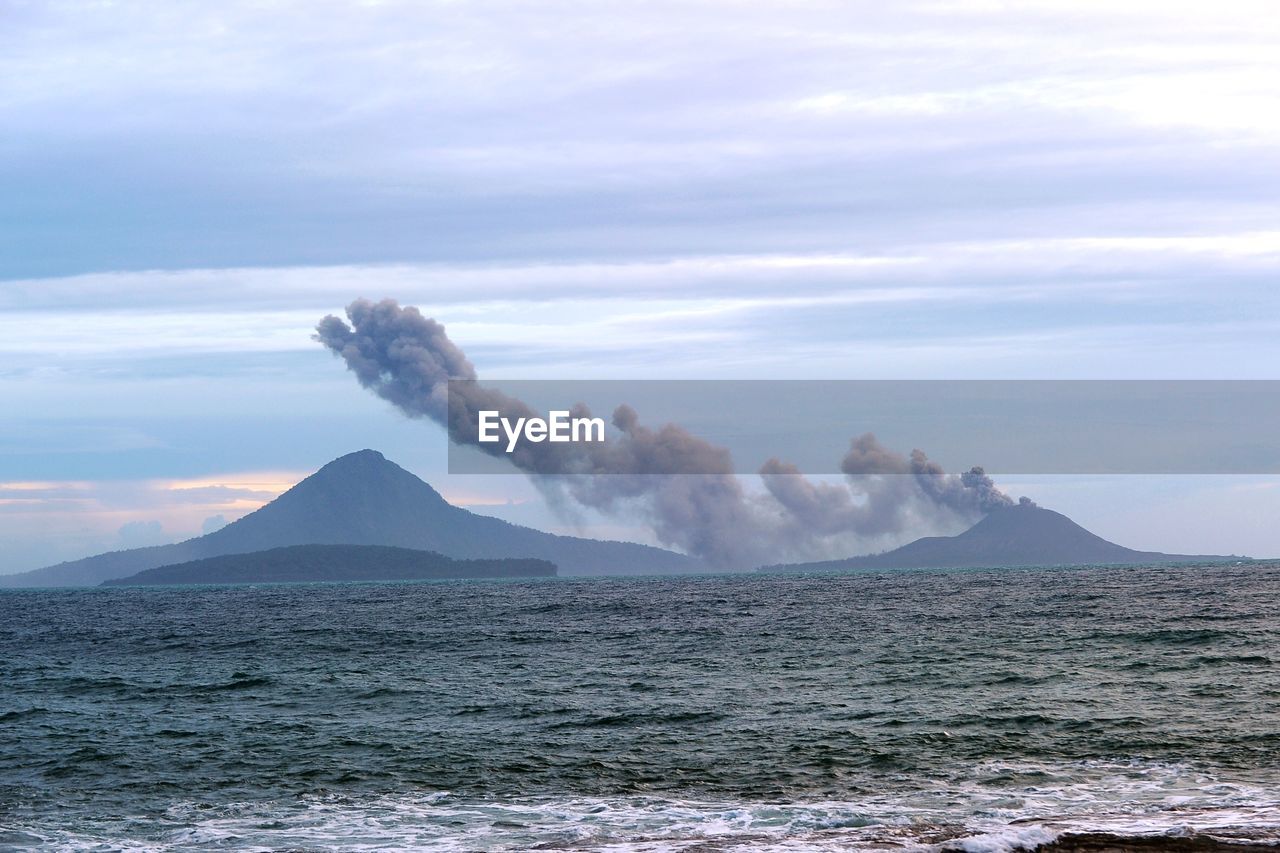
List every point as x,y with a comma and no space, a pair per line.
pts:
983,711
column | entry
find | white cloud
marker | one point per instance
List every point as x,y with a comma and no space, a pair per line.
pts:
1037,299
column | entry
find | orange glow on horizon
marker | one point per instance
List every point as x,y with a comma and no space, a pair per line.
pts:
275,482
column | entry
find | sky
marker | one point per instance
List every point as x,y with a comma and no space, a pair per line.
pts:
1057,189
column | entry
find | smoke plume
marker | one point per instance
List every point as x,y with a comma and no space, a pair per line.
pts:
643,472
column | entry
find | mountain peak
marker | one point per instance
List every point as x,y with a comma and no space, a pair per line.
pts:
1025,519
359,498
362,471
360,457
362,463
363,498
1022,534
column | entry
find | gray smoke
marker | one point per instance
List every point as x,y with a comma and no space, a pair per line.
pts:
408,360
401,356
885,492
971,492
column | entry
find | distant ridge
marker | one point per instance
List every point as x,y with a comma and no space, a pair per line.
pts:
1020,535
364,499
310,563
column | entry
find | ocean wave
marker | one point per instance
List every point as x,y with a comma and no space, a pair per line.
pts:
1002,809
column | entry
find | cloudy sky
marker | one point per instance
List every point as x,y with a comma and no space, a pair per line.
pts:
1052,189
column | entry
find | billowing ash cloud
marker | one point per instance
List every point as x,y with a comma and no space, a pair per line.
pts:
408,359
971,492
400,355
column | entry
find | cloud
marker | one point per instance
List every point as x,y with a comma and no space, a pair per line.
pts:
939,179
1001,286
212,523
43,522
458,132
139,534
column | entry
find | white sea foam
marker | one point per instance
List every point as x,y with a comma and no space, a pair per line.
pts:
999,809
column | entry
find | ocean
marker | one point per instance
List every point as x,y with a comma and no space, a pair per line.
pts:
966,710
